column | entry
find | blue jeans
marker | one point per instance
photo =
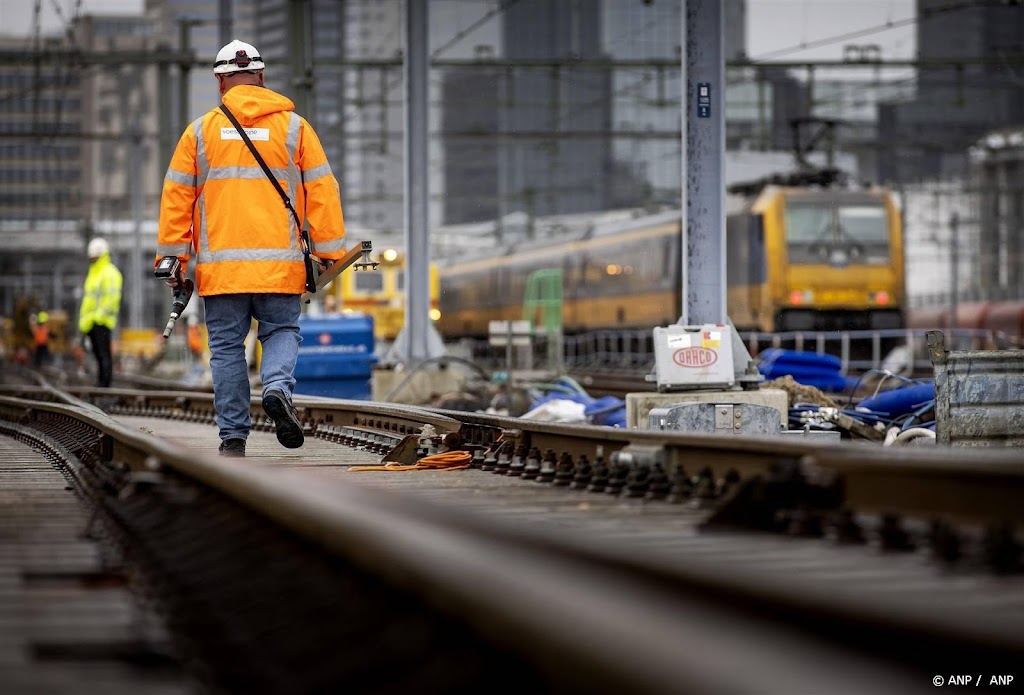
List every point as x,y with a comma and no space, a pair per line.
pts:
228,319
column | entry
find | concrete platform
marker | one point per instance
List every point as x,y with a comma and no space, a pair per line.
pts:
639,405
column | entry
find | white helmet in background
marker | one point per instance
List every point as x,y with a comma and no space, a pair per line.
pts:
237,56
98,247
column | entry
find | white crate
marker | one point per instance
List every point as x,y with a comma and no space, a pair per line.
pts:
693,357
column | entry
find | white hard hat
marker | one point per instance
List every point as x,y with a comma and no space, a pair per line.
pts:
98,247
237,56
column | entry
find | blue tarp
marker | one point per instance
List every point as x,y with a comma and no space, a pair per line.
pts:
808,368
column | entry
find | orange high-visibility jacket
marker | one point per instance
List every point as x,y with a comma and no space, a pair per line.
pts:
219,206
41,335
195,339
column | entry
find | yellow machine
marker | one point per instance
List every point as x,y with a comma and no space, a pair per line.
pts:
381,293
16,331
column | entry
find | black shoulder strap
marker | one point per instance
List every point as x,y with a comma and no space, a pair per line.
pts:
310,279
263,164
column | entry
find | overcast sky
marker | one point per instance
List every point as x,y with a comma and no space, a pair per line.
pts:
775,28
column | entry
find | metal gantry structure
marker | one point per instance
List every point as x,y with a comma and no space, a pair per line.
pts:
154,139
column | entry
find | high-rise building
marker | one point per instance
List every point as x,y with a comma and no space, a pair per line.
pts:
82,146
360,114
40,135
196,25
304,46
564,138
928,137
530,137
556,155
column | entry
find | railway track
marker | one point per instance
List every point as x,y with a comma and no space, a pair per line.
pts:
566,558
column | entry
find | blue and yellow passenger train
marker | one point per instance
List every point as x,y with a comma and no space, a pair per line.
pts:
798,258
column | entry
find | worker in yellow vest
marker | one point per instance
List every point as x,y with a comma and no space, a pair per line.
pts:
101,304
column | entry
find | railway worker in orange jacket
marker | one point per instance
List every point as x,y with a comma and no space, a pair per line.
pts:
41,339
219,208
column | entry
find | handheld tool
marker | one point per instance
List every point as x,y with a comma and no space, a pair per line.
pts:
182,294
170,267
357,255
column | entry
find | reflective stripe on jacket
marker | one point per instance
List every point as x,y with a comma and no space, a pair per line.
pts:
219,206
101,298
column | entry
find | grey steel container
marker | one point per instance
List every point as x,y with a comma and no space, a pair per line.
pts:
979,395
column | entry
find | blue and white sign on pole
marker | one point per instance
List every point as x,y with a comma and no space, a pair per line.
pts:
703,100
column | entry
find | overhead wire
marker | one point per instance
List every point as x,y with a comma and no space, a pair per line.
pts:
63,75
635,88
925,14
503,5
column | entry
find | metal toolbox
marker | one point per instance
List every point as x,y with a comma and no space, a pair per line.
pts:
979,395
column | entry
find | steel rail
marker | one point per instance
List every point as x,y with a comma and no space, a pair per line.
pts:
967,485
601,619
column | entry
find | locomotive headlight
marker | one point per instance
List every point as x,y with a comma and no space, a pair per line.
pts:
435,314
839,258
801,297
389,255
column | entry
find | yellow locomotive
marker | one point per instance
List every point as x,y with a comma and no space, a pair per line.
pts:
381,293
797,258
815,258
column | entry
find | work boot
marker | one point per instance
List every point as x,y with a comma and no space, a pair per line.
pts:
286,422
232,447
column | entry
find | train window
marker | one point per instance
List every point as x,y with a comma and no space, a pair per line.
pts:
864,224
808,223
368,283
824,231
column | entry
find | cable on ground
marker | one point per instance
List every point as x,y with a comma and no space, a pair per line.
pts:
444,461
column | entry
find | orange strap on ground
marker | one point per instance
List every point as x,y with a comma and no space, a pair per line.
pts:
446,461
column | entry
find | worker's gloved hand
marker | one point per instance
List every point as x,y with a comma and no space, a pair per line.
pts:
322,265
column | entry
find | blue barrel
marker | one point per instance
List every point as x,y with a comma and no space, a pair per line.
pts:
336,356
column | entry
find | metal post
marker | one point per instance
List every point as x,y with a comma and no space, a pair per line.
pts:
417,340
184,68
163,116
136,288
300,39
703,117
762,112
684,202
988,230
1015,221
954,261
224,28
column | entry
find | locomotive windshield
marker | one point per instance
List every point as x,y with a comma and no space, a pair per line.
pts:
837,233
